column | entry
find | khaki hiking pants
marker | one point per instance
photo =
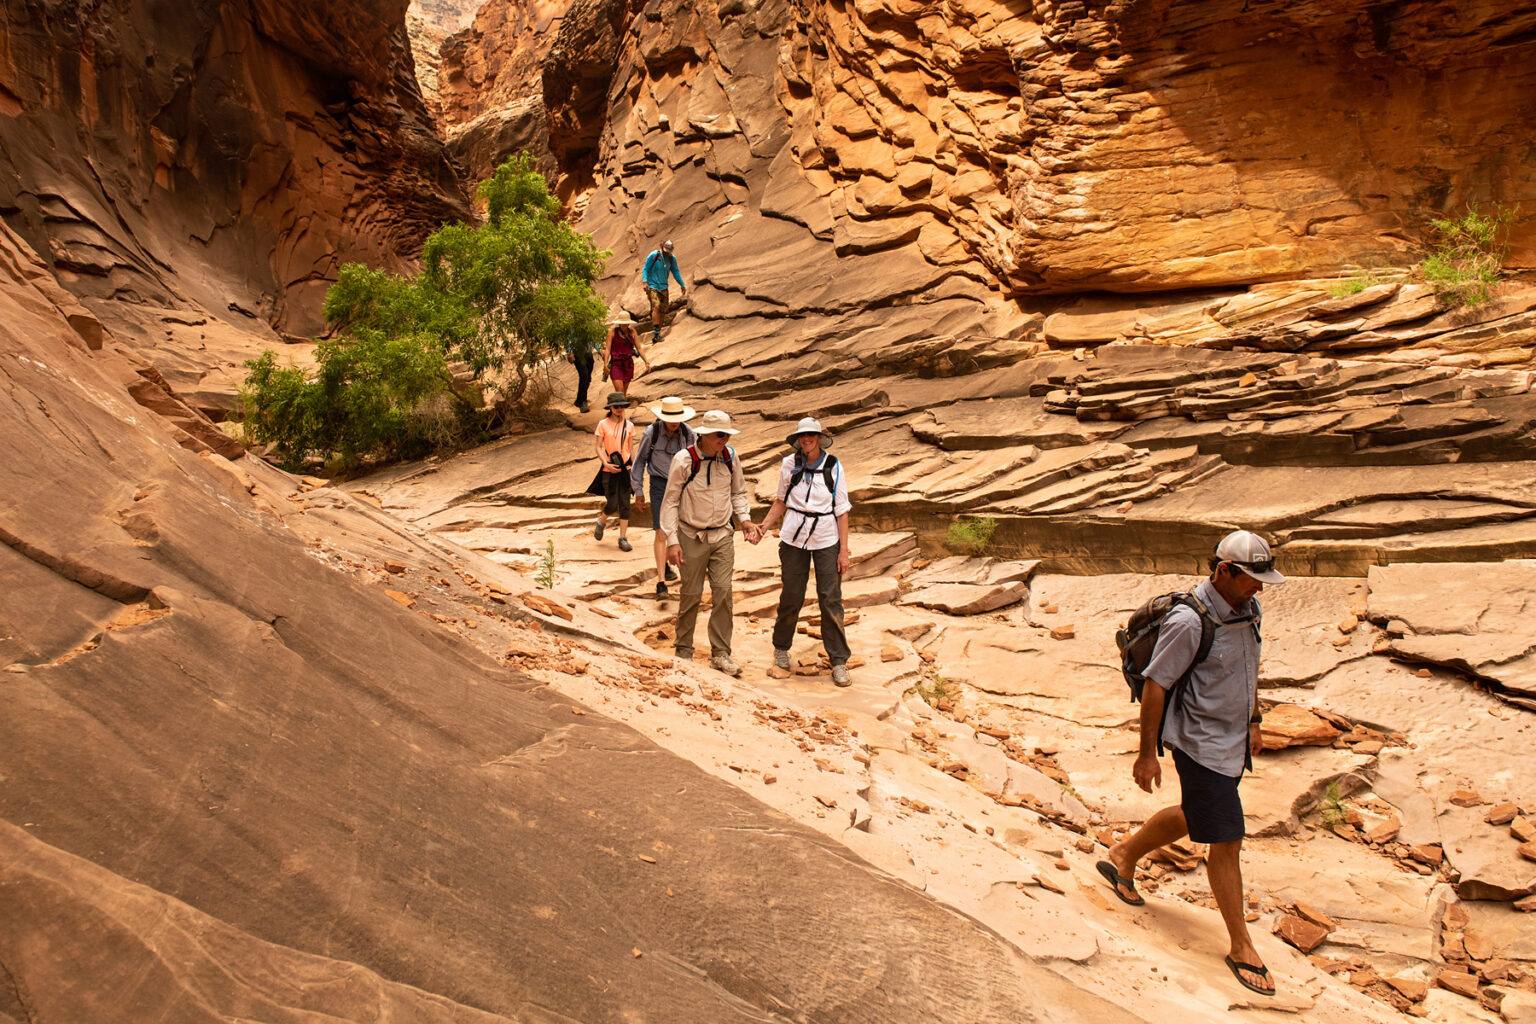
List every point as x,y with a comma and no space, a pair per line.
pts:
717,560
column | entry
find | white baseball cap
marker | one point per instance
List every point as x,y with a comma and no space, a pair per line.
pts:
1250,553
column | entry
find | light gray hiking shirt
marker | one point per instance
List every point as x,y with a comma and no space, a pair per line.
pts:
1210,723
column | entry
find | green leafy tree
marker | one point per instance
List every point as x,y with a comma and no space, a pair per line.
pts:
501,297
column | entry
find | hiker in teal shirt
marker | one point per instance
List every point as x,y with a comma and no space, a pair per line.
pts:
658,265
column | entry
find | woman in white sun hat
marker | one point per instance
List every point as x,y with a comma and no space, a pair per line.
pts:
620,352
812,500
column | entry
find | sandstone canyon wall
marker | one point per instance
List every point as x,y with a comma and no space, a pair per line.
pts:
1002,151
222,158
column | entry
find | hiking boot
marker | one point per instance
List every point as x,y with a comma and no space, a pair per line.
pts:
597,531
625,545
781,659
670,574
840,675
661,591
582,406
724,663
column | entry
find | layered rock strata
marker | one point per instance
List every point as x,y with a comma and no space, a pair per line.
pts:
222,162
1146,147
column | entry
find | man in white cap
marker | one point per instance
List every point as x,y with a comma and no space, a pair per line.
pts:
812,500
1212,727
705,501
663,439
655,271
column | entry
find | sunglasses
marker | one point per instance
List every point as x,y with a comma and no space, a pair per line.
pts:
718,436
1259,565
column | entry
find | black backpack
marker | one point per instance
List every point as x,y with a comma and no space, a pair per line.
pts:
1137,639
828,464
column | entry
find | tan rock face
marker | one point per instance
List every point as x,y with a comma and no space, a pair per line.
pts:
1112,147
252,149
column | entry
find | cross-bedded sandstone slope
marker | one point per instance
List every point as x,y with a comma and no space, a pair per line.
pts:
237,781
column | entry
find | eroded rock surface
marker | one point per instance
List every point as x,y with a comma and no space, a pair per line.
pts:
222,162
234,763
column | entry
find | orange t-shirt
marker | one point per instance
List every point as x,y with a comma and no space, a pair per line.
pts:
616,436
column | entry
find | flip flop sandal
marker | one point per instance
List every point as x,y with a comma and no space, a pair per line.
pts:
1116,880
1263,972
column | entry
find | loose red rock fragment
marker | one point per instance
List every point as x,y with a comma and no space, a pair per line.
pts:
405,599
543,605
1502,814
396,568
1466,798
1063,633
1459,982
1302,934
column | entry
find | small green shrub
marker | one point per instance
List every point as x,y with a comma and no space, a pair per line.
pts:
970,535
548,574
1467,257
1351,286
1331,809
935,691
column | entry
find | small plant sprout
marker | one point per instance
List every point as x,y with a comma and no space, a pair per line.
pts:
548,574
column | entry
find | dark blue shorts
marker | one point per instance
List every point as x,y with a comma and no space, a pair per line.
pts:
1211,806
658,488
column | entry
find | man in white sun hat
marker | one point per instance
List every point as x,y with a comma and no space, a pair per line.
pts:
663,439
1213,730
812,500
705,501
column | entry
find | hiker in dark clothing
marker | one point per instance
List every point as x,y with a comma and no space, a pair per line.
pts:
580,356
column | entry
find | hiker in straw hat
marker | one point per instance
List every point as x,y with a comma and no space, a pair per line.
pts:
662,441
812,501
620,352
705,501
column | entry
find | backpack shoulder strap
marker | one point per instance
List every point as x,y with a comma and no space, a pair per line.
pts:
693,471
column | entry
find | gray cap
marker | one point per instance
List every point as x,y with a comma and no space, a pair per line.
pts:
1250,553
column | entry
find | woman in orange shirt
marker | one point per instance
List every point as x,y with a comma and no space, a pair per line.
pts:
614,439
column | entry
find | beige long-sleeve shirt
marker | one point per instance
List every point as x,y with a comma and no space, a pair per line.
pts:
715,501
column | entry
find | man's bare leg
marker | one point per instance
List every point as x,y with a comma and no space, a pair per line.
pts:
661,555
1164,827
1224,868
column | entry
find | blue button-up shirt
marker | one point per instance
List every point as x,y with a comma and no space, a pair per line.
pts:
1210,723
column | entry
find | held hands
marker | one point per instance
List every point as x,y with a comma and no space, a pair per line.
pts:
1147,772
751,531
